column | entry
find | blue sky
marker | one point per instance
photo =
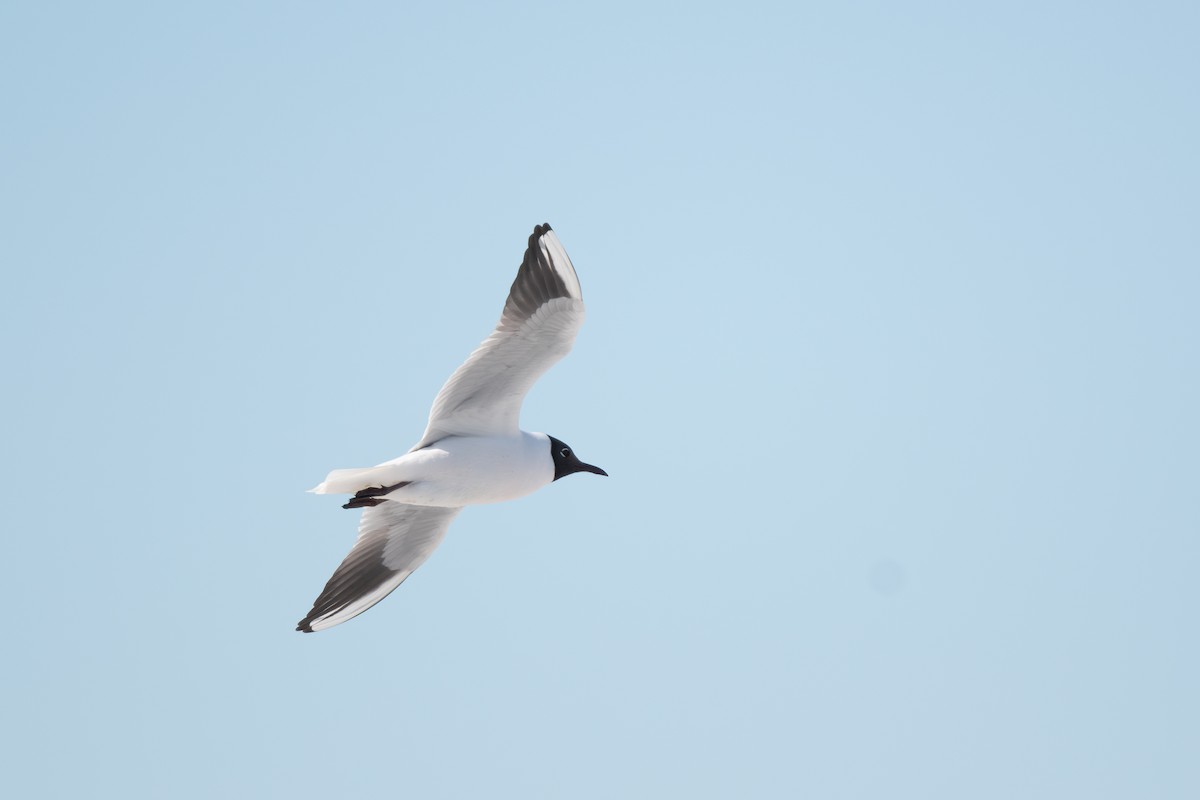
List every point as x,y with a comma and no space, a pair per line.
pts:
891,355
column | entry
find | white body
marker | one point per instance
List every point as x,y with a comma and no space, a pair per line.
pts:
472,450
457,471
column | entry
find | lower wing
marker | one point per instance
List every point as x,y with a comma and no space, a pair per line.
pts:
393,540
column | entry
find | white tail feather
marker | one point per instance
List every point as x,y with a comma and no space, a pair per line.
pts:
349,481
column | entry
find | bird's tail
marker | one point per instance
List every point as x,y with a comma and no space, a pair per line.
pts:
351,481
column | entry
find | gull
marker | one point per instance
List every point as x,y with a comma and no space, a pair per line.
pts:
473,450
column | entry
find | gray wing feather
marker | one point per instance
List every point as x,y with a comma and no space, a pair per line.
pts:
393,540
541,317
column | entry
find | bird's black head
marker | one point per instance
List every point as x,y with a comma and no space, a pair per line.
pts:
565,462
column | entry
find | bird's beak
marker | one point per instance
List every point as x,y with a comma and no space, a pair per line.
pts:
593,470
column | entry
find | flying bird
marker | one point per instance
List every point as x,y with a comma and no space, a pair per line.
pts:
473,450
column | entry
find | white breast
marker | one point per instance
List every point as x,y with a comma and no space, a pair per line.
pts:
471,470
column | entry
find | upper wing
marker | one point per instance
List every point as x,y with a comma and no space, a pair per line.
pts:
393,540
541,317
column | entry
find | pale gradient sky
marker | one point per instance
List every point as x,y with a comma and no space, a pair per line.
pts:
891,354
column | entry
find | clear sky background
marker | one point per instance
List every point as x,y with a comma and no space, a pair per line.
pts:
892,356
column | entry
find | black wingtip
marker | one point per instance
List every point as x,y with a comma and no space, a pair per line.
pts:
305,626
538,232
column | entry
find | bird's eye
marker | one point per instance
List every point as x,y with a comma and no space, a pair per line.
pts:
566,451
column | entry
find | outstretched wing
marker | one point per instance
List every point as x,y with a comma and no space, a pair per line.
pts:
537,328
393,540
